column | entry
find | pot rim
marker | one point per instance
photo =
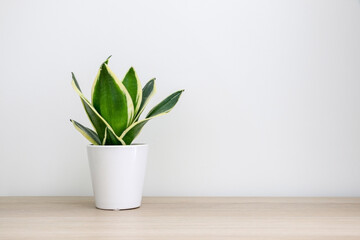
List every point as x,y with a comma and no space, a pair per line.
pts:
118,146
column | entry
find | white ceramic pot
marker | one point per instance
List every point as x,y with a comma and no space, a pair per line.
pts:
117,174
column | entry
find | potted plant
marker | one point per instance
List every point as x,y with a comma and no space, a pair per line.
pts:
117,166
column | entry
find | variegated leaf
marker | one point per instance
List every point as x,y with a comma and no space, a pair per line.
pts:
165,105
147,92
96,119
133,86
87,133
162,108
111,100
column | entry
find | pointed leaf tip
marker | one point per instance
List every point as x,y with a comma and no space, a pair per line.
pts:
107,60
147,92
87,133
162,108
133,86
165,105
111,100
131,70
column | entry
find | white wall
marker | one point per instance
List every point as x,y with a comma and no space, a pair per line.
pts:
272,103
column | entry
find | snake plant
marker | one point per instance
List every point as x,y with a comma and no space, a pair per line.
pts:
116,106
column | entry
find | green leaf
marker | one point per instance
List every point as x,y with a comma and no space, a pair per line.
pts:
95,118
133,131
111,100
87,133
133,86
162,108
147,92
165,105
112,139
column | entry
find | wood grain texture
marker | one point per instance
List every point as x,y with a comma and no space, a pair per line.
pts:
181,218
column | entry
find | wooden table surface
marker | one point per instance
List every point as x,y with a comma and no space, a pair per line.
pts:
160,218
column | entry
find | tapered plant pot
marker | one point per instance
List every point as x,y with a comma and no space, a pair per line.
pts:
117,174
